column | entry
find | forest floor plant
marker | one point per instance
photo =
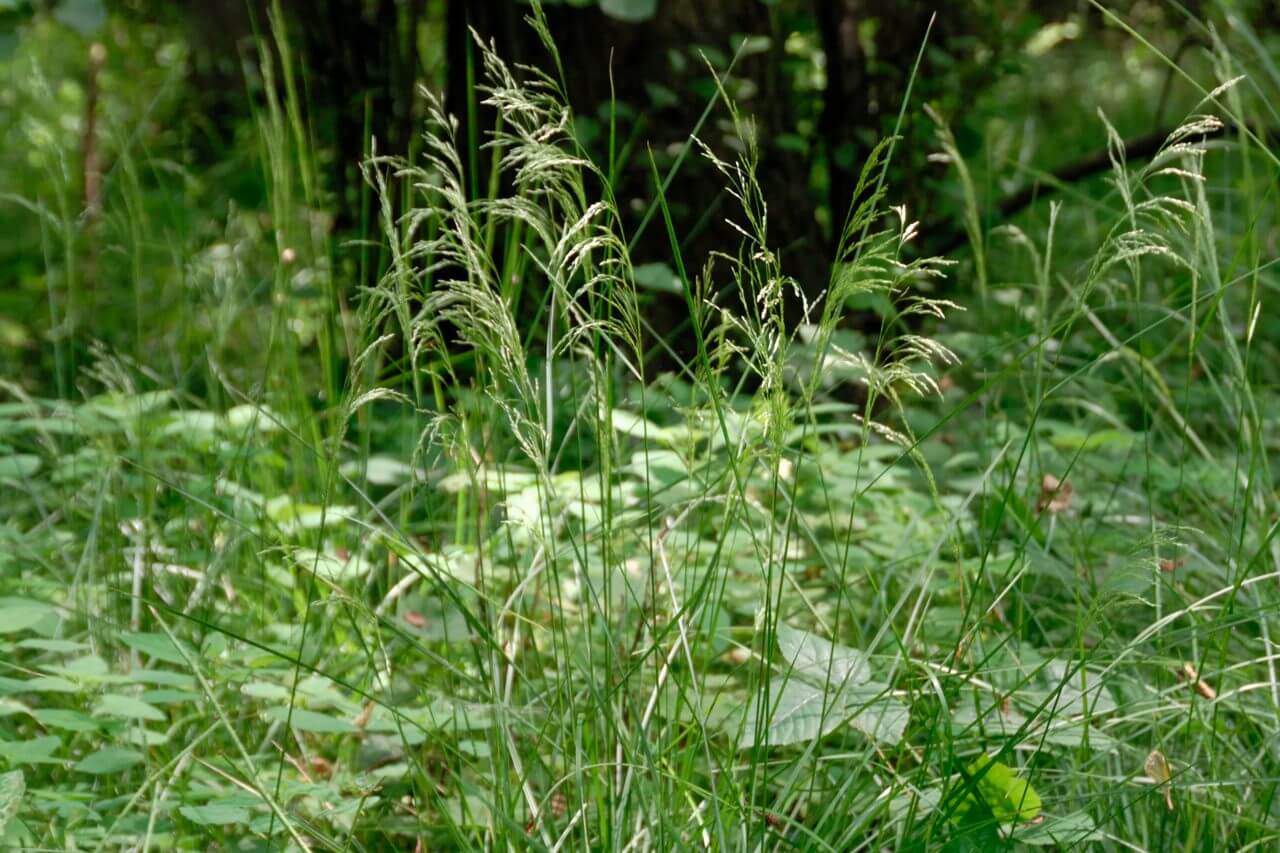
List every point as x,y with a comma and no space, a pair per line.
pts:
506,590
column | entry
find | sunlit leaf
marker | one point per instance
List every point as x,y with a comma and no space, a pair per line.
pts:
248,419
9,707
381,470
1010,797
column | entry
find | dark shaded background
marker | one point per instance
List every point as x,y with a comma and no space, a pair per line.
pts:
824,80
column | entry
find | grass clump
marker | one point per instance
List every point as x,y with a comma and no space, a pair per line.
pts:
506,588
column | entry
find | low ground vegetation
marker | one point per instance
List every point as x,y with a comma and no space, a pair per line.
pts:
1002,571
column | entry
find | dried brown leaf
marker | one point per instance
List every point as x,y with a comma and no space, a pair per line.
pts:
1055,494
1189,674
1157,767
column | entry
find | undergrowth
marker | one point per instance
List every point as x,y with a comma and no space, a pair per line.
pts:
503,588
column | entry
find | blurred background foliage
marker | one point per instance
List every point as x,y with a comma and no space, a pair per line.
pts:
153,112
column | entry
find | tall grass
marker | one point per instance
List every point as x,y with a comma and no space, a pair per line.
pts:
492,585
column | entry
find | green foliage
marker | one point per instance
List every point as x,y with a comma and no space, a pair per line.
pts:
12,787
1010,798
448,563
825,686
629,10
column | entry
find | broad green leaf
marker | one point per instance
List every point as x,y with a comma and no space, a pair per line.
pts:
84,666
321,693
114,405
381,471
192,426
1068,832
144,737
502,480
660,468
453,715
659,277
801,712
250,418
524,508
57,646
12,786
89,669
67,719
293,517
19,466
815,659
265,690
632,11
9,707
636,426
36,751
477,748
443,714
216,814
330,566
1068,693
1010,797
310,721
1108,439
117,705
162,678
879,717
18,616
168,696
41,684
238,493
111,759
917,803
158,646
752,45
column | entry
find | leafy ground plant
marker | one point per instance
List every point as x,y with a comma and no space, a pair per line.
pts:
507,589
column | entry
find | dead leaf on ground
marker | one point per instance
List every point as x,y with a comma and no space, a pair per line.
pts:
1055,494
366,714
1157,767
1188,673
